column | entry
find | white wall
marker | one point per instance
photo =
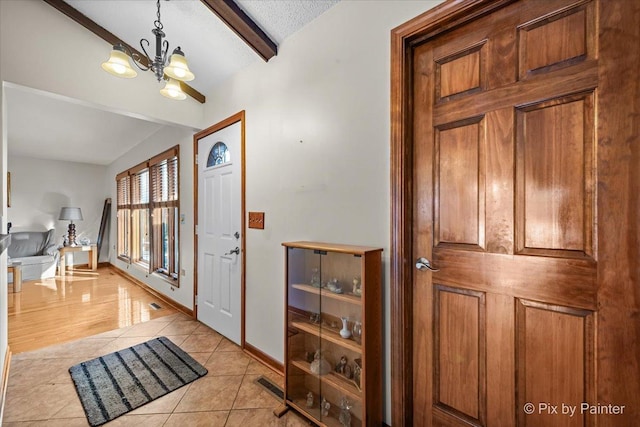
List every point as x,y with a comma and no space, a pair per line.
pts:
162,140
39,188
317,144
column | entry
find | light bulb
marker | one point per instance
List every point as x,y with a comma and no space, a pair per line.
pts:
118,68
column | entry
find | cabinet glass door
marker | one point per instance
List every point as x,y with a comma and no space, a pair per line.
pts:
305,362
341,307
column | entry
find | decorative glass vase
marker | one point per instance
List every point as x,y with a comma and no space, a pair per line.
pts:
356,331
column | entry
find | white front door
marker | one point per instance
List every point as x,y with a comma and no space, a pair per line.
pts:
219,231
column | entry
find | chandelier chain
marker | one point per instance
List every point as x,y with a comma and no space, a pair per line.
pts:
157,22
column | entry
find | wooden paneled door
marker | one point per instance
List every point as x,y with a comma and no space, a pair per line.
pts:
502,166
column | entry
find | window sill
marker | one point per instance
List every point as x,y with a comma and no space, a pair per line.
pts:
141,265
173,282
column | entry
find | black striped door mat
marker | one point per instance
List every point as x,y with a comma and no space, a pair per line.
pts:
112,385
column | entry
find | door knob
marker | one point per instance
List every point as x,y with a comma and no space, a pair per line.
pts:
234,251
423,264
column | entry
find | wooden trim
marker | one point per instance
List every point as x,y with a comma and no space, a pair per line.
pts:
112,39
241,24
264,358
333,247
189,90
618,217
152,291
243,227
165,155
121,175
5,380
220,125
445,16
138,168
238,117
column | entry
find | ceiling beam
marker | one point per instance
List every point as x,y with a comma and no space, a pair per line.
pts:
112,39
235,18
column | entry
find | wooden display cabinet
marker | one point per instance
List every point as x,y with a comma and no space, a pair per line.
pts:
326,283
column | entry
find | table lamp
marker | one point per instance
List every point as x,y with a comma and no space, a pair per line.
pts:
71,214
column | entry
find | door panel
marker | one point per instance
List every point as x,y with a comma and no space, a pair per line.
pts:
209,193
572,31
504,146
460,73
208,295
458,170
226,206
459,376
555,153
553,343
226,285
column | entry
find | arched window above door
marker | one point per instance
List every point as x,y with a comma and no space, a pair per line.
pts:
218,155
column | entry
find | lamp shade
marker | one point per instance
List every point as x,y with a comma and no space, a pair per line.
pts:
178,68
118,64
71,214
172,90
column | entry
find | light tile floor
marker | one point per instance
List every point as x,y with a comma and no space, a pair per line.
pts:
41,393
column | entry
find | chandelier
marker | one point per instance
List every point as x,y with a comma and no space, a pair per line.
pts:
177,70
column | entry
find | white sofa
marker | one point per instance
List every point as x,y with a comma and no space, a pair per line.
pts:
36,251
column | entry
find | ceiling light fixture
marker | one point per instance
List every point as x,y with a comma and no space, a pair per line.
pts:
177,70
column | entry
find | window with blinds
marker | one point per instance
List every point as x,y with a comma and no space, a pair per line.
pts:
140,241
148,215
164,208
123,212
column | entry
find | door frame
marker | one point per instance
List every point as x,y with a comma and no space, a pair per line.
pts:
618,176
238,117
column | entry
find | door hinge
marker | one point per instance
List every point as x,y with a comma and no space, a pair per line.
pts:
196,159
196,229
197,299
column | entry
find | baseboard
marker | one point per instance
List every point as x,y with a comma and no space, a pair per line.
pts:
5,381
263,358
152,291
85,265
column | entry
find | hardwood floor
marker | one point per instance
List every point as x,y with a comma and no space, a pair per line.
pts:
63,309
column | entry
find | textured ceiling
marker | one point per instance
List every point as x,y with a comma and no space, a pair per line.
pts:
39,125
281,18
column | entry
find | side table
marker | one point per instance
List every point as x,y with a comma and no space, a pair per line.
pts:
16,269
93,256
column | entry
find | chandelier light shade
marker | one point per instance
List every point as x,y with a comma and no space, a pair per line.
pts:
177,69
118,63
173,90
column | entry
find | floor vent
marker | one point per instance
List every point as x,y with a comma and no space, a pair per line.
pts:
155,306
270,387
